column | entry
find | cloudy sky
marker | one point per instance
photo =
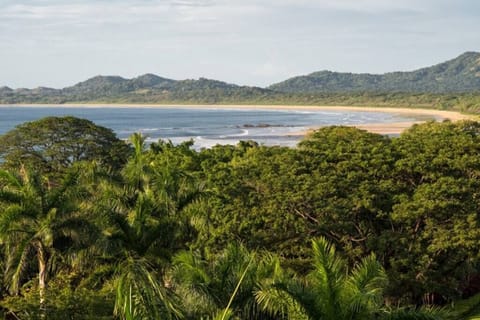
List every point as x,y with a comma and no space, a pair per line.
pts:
58,43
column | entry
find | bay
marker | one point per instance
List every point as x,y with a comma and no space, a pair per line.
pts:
206,126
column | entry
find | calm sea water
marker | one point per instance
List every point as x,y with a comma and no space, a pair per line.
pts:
207,127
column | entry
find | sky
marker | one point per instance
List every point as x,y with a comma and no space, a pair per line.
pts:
58,43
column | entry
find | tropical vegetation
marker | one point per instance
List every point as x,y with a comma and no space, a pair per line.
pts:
347,225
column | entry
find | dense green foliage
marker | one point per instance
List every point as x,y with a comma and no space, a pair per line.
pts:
348,225
53,144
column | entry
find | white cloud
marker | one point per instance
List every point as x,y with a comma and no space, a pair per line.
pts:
99,12
246,41
182,16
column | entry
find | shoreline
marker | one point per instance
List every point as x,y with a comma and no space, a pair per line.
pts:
381,128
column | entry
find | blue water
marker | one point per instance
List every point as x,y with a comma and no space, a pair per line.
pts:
207,127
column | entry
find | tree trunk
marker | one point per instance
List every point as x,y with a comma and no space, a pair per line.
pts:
42,278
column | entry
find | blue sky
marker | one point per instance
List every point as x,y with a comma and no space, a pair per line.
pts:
59,43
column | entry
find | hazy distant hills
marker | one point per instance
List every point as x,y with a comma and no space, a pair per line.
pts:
147,88
113,85
461,74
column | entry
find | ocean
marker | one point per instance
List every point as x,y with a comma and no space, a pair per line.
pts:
207,127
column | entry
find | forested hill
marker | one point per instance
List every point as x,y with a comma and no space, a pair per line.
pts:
461,74
453,85
147,88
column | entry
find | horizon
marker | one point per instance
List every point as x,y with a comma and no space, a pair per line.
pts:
50,43
228,82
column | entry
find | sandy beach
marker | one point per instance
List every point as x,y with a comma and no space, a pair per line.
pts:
382,128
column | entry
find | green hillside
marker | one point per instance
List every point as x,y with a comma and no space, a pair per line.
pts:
452,85
148,88
461,74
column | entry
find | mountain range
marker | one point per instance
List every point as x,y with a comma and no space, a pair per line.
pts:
461,74
458,75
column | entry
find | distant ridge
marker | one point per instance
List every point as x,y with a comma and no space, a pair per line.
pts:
461,74
150,80
5,90
147,88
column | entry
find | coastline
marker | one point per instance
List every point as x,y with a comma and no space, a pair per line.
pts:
381,128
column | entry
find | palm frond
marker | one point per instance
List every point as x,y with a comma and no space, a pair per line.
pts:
416,314
364,286
56,196
237,287
141,294
8,178
19,260
278,302
10,196
78,230
225,314
10,218
327,276
189,270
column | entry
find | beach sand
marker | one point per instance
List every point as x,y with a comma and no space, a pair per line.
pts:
382,128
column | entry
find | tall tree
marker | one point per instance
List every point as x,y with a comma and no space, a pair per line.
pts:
38,220
433,244
54,143
144,225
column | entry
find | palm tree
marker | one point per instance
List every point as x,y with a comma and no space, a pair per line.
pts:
38,220
136,170
330,292
143,225
223,284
